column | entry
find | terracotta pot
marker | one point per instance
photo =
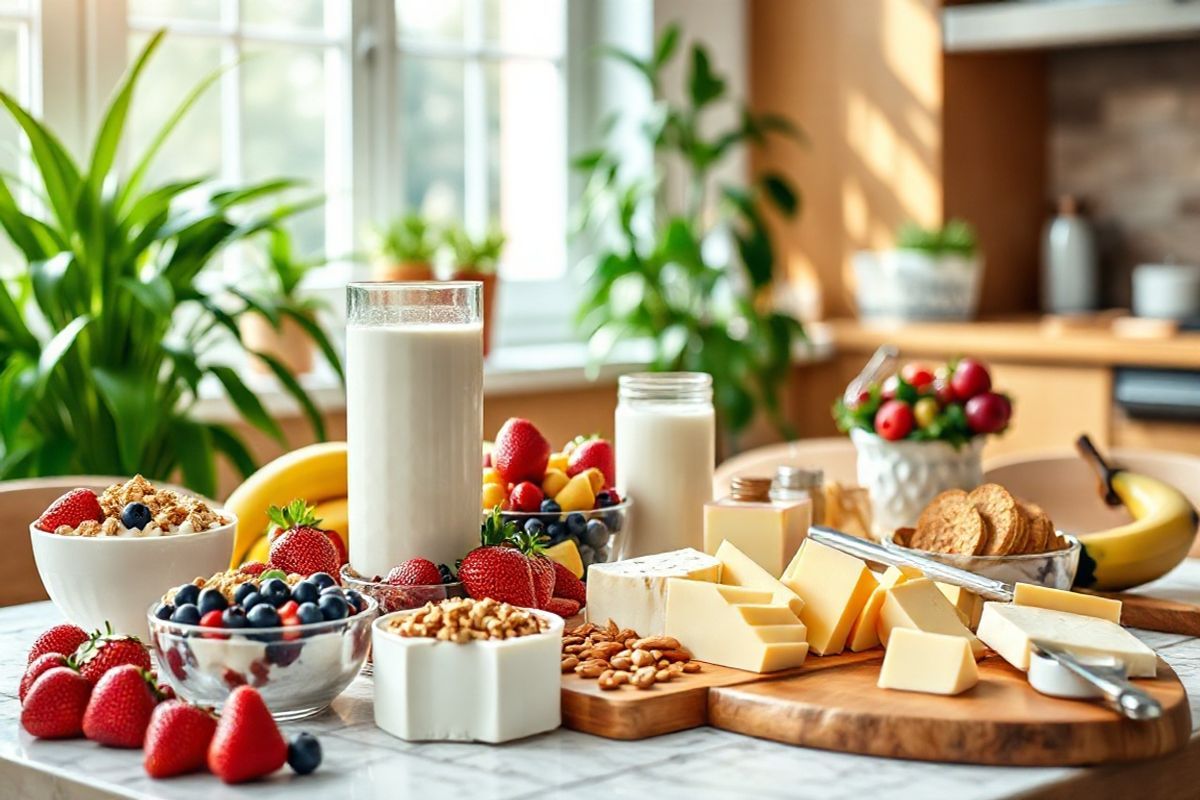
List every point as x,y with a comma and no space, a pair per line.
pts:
404,271
489,280
290,344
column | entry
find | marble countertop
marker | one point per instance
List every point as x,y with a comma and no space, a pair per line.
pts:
362,761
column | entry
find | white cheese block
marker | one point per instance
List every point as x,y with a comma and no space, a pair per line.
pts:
485,691
1008,629
633,592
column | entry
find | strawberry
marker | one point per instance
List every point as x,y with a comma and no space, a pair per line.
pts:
300,546
55,704
74,507
63,639
335,539
104,651
177,739
540,567
567,586
119,711
521,452
254,568
562,606
526,496
597,453
42,663
497,569
247,744
414,572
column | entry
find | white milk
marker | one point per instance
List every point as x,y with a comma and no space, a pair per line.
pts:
414,414
665,454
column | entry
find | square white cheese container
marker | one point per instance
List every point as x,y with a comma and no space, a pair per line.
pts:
486,691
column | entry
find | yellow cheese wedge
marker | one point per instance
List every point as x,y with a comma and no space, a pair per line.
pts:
918,661
730,626
769,533
918,604
1027,594
738,569
968,604
834,587
863,630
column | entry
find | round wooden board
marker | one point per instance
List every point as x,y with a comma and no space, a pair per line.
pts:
1001,721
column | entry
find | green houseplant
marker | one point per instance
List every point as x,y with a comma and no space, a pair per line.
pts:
655,275
105,340
477,259
404,249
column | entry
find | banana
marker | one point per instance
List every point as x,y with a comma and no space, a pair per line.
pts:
335,516
316,473
1153,544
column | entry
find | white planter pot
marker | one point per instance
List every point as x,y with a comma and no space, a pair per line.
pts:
902,477
911,285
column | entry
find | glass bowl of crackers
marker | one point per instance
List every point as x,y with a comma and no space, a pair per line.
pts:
989,532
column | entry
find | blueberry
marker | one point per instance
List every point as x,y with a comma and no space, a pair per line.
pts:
283,653
275,591
234,617
211,600
251,600
448,575
597,533
550,507
188,593
604,499
556,531
243,591
304,753
576,523
535,527
164,610
586,554
305,592
601,556
333,606
135,515
355,600
186,614
322,579
309,613
263,615
333,590
613,520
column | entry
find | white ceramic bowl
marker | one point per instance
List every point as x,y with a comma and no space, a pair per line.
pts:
98,579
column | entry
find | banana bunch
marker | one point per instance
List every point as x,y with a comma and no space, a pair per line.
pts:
1158,539
316,473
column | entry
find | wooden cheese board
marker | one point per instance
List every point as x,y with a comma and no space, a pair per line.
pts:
833,703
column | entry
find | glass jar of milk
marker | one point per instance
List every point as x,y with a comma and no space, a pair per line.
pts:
666,446
414,418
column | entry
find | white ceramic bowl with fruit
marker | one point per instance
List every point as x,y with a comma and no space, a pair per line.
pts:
101,578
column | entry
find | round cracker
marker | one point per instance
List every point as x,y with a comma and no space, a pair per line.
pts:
1041,529
1006,522
951,524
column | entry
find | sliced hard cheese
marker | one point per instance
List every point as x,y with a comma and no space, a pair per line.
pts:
863,632
968,604
738,569
834,587
1008,629
633,592
728,625
1027,594
918,604
769,533
918,661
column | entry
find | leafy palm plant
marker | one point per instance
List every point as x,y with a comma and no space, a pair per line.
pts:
409,239
480,254
105,339
658,275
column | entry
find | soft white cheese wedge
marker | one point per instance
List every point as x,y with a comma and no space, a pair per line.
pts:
633,592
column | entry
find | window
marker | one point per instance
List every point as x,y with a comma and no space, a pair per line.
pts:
17,76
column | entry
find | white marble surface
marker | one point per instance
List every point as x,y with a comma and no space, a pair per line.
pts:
363,762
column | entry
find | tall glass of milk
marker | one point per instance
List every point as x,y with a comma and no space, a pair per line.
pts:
666,446
414,417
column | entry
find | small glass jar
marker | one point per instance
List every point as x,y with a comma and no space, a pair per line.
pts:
666,451
800,483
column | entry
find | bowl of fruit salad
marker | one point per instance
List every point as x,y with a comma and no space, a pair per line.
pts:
299,641
104,558
565,498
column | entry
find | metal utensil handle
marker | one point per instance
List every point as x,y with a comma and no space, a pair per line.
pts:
883,360
1121,695
853,545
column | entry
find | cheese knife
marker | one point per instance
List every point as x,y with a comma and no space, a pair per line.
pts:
1118,693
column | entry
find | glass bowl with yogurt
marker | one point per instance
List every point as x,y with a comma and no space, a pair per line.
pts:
599,533
298,669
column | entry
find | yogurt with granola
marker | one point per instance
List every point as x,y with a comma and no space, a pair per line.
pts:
134,509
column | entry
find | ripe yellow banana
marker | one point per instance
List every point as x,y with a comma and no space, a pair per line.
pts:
1153,544
316,473
335,516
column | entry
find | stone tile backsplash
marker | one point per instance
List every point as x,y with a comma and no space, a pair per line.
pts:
1125,138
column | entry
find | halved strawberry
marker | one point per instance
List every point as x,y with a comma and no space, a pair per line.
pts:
74,507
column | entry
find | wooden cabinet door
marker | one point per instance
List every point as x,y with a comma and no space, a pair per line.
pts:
1052,405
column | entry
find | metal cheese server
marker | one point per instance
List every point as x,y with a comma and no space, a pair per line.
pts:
1121,695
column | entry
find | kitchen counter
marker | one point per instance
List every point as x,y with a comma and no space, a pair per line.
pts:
361,761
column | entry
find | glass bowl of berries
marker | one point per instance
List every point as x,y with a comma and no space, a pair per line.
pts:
299,641
577,537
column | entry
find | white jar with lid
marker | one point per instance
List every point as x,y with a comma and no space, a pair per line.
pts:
666,449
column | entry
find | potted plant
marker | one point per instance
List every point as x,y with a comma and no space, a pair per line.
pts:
932,274
265,328
404,250
693,275
106,339
920,432
477,259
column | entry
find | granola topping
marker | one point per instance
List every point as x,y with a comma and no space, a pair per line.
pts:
227,583
171,512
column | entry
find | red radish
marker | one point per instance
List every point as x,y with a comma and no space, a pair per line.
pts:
894,420
969,379
988,412
917,375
